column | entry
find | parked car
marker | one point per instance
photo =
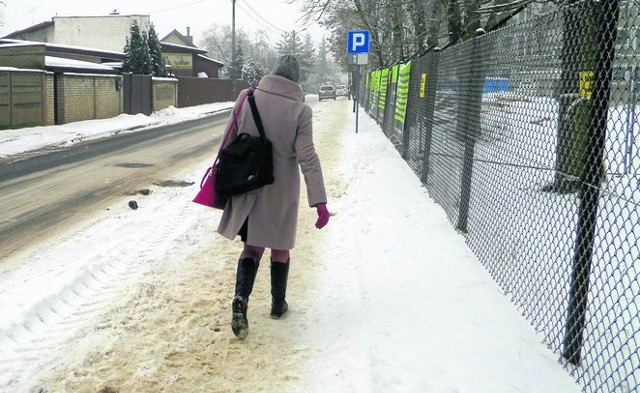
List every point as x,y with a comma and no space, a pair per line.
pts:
341,91
326,91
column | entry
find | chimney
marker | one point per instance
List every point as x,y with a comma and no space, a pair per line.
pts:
189,38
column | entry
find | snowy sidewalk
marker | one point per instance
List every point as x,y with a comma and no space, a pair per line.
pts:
386,298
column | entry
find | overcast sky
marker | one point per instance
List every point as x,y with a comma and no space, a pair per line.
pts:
273,16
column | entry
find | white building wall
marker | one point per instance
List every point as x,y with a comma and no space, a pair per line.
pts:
99,32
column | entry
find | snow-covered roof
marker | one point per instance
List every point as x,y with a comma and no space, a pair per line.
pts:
113,64
38,26
19,69
60,62
68,48
19,44
207,58
191,49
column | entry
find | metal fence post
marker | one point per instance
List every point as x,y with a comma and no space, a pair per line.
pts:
365,89
429,109
387,102
631,119
378,96
471,124
606,23
401,127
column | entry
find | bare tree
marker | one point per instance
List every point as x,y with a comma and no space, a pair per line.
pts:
341,16
437,11
217,41
402,28
397,36
416,11
2,14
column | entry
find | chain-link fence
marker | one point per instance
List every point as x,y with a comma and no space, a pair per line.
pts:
528,138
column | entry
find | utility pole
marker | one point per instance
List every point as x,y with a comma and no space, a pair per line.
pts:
293,42
233,35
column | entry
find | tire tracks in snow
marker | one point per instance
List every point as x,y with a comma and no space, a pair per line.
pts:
76,292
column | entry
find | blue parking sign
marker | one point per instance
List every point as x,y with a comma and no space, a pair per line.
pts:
358,41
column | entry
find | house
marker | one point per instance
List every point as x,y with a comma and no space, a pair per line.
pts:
185,58
189,61
110,33
175,37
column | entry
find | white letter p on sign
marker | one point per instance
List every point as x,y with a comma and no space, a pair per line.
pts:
358,39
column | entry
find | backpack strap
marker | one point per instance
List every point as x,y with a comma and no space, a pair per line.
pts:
256,114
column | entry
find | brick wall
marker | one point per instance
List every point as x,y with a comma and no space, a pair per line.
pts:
87,96
164,93
108,96
49,117
75,98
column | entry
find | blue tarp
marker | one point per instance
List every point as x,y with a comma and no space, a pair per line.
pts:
492,85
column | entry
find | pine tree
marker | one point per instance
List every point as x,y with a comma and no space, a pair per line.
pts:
252,72
237,62
322,65
290,44
126,64
306,58
137,58
155,52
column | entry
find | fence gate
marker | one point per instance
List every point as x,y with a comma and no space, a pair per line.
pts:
137,94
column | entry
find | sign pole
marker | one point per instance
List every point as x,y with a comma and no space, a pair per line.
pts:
352,86
356,96
357,55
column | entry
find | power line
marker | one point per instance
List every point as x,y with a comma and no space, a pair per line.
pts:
177,7
280,31
258,22
260,16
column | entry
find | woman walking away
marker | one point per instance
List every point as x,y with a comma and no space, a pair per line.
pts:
268,217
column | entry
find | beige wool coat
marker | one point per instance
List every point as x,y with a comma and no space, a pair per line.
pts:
272,211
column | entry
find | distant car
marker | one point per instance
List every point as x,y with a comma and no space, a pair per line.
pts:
341,91
326,91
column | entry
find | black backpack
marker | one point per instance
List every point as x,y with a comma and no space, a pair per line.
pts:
246,163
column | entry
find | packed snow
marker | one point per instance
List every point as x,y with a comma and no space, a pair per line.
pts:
386,298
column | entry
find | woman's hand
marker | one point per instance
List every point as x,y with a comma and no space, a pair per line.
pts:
323,215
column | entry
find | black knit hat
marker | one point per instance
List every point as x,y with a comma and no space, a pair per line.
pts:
287,66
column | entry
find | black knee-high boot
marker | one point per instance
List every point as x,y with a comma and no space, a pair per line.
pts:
279,276
245,277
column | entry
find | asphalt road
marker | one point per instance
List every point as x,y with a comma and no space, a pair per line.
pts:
44,192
